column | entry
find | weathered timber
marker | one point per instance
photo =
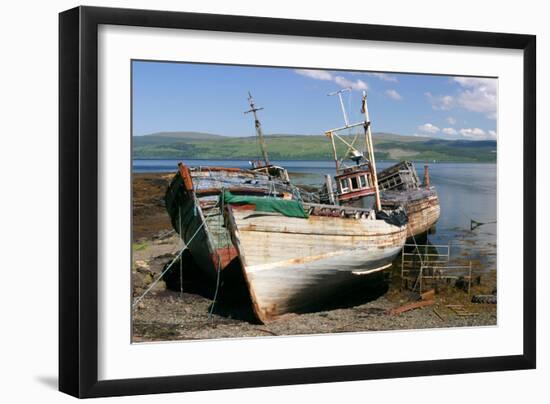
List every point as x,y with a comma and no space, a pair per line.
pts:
192,203
292,263
436,312
429,295
421,205
411,306
401,176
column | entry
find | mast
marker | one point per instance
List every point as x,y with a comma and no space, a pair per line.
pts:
334,154
259,133
346,121
370,149
356,155
339,94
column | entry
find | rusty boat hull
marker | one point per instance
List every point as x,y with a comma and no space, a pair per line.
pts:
288,263
291,264
422,208
192,204
400,186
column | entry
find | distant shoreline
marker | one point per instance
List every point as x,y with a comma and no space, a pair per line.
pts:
388,147
327,160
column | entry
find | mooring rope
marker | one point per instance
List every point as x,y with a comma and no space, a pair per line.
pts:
139,299
219,258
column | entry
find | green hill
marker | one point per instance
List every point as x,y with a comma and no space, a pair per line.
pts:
301,147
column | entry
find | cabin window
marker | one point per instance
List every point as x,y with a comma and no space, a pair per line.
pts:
364,181
344,185
354,184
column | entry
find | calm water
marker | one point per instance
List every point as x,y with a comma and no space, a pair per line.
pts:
466,192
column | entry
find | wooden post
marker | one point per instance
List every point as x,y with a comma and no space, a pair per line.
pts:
328,183
425,253
426,177
368,141
402,265
420,282
470,279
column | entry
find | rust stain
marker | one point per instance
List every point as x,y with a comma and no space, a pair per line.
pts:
248,206
222,257
234,190
356,194
228,169
186,176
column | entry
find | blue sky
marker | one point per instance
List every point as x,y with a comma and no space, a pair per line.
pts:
212,98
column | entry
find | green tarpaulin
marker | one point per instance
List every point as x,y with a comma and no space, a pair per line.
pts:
285,207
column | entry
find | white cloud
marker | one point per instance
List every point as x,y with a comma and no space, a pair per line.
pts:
440,102
473,133
469,133
449,131
328,76
479,95
315,74
354,85
384,77
394,95
475,94
428,128
475,82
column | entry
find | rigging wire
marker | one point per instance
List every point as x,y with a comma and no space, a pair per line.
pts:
178,255
219,270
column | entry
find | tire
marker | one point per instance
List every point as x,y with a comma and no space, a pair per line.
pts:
484,299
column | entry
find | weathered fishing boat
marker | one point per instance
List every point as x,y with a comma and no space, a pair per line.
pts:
400,186
291,264
359,184
293,253
193,195
356,177
192,201
264,166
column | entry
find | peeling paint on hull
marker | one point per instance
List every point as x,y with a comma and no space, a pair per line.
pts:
288,263
422,215
193,194
292,263
421,205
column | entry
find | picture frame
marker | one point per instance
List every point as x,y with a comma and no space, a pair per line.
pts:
78,201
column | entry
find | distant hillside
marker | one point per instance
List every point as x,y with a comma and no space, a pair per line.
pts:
186,145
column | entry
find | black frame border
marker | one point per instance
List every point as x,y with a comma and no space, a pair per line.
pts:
78,196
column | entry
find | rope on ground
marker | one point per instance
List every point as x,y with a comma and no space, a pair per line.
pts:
139,299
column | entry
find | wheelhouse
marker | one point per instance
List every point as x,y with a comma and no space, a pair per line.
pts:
355,182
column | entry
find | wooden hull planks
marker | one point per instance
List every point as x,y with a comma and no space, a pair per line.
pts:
291,263
421,205
423,216
194,192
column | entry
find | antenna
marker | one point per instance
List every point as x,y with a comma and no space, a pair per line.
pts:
259,133
370,149
339,94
